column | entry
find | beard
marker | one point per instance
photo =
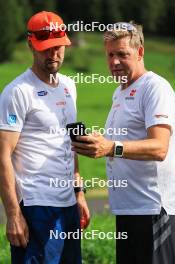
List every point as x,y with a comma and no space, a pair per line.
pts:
51,66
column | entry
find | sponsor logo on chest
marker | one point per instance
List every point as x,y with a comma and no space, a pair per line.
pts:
131,95
66,92
42,93
11,119
61,103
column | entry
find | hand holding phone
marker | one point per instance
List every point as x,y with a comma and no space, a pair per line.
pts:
76,129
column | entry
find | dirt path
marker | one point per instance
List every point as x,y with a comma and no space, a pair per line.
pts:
96,206
2,214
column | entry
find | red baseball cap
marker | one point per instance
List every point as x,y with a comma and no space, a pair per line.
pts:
43,22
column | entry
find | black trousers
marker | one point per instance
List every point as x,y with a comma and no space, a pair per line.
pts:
150,239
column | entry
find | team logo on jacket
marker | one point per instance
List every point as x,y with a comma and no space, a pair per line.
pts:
66,91
131,95
11,119
61,103
116,105
159,116
42,93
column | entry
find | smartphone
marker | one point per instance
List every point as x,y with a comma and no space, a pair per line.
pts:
76,129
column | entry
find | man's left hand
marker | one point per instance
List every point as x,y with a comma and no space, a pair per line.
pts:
83,209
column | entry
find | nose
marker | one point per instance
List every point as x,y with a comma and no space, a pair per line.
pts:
52,52
115,60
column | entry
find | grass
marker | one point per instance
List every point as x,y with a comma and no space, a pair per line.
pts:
4,247
94,251
100,250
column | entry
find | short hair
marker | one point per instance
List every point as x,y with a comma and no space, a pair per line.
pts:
122,29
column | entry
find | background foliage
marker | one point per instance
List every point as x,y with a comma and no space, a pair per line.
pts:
158,16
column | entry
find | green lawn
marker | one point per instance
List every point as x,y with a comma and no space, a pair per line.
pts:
100,250
4,247
94,251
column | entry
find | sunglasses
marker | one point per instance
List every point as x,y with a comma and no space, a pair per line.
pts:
46,34
123,26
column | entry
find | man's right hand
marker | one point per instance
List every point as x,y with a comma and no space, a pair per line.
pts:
17,230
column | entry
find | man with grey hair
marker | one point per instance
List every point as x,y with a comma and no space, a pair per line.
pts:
145,209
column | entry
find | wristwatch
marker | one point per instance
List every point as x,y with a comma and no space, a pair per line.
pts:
79,189
118,149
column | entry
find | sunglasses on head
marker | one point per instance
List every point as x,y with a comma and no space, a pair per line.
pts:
123,26
46,34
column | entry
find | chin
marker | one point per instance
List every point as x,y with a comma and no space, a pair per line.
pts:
51,70
115,75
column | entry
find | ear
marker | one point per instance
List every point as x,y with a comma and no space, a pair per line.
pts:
140,53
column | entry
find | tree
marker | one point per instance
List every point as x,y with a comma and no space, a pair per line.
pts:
147,12
66,9
152,14
25,12
90,10
40,5
111,11
10,27
167,24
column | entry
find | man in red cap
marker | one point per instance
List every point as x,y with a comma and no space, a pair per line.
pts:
37,166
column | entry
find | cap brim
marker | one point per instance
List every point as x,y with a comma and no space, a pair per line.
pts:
50,43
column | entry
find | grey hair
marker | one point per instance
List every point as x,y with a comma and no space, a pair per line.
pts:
123,29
